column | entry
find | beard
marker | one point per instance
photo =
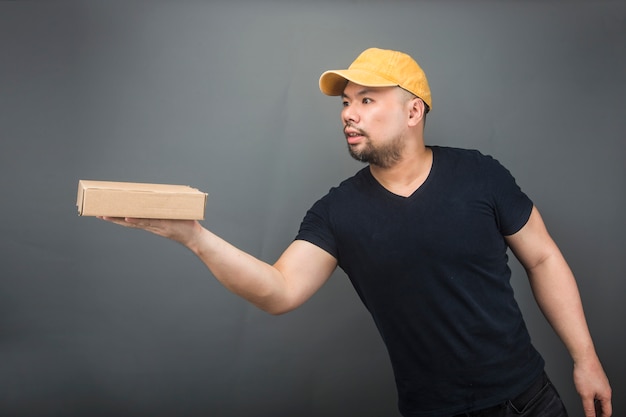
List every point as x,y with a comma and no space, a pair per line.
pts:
383,156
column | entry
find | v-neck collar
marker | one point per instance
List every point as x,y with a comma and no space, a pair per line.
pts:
418,191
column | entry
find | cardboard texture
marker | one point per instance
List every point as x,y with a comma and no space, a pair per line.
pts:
140,200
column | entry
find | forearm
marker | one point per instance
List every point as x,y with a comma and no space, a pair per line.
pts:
258,282
557,295
300,271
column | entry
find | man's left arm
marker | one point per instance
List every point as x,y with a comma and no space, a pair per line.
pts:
555,289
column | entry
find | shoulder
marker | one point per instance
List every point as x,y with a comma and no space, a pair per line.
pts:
343,194
461,155
351,186
458,163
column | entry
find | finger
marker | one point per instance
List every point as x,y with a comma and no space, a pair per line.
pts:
127,221
589,407
136,221
140,223
117,220
604,408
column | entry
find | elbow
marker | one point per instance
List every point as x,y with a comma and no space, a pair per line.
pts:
276,306
276,298
277,309
277,312
270,303
276,301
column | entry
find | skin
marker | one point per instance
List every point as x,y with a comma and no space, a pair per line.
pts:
384,127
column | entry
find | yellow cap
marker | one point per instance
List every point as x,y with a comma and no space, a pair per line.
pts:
379,68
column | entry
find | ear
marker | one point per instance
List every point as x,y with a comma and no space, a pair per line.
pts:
417,109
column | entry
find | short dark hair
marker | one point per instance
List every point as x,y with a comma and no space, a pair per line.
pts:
413,96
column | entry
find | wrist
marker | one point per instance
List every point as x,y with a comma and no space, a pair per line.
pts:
192,238
585,357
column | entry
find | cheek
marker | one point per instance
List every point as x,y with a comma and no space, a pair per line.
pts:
381,121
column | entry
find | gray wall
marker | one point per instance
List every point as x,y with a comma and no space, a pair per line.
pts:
100,320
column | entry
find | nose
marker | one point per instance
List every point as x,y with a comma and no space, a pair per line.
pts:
349,115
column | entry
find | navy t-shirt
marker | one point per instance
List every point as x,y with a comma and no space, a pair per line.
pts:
432,270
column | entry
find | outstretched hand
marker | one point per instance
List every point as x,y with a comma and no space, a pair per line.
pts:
182,231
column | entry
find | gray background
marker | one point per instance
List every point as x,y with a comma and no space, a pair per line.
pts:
100,320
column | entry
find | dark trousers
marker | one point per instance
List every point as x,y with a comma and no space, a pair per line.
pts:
541,399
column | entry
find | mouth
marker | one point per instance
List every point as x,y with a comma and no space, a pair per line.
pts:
353,136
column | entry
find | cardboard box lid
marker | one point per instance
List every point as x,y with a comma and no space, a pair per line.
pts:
142,200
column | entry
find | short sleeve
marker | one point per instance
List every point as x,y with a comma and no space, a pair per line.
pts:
512,206
316,228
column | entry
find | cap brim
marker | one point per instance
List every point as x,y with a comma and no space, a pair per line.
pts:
332,83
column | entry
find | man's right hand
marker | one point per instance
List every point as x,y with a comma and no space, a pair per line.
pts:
181,231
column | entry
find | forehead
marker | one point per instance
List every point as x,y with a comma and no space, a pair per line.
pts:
356,90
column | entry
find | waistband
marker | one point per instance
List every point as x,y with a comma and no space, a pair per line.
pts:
524,398
519,401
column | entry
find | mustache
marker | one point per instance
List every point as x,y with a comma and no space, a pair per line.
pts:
353,129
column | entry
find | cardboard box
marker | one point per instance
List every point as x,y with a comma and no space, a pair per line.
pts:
140,200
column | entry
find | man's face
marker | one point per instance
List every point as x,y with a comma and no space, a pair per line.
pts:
374,121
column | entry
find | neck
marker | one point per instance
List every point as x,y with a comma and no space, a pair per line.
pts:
408,174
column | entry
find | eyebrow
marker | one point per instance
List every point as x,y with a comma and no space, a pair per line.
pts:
362,92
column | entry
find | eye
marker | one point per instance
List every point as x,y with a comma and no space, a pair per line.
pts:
345,104
367,100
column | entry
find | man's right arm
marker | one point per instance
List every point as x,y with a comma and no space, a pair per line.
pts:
299,272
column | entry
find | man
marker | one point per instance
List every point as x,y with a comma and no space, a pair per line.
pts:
422,232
